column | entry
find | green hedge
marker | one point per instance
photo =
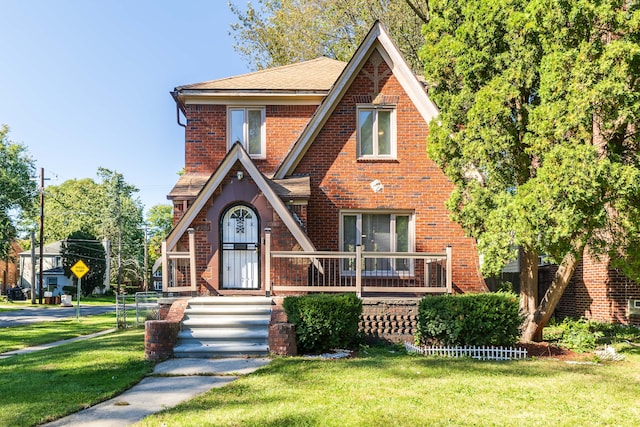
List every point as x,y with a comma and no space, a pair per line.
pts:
324,321
470,319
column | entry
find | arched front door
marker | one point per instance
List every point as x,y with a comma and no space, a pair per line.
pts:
240,248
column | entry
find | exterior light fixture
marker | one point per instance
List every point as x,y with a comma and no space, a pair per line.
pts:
240,175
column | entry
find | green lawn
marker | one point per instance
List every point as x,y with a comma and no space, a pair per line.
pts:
17,337
45,385
403,390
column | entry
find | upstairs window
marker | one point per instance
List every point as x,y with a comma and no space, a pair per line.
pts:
376,132
247,126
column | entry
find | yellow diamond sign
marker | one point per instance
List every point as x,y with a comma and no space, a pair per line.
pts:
80,269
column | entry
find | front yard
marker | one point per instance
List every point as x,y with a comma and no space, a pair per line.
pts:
383,387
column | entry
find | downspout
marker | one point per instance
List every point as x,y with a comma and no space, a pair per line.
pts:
178,117
174,95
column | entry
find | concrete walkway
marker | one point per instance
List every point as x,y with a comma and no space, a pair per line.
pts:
53,344
172,381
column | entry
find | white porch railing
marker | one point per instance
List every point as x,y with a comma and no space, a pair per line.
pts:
359,271
179,268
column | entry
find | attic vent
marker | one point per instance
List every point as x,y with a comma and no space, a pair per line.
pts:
362,99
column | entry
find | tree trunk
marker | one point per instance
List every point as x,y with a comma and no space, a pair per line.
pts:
528,281
537,319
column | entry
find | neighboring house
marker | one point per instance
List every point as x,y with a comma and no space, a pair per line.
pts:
55,281
292,171
9,268
596,292
53,275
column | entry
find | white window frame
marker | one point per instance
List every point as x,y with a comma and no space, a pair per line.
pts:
393,238
393,138
245,130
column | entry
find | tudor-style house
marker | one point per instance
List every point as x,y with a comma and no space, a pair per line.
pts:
314,177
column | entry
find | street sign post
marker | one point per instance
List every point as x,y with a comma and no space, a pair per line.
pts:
79,269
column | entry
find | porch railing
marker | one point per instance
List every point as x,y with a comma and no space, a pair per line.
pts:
179,268
359,271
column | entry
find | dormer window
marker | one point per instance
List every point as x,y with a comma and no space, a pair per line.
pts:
247,126
376,132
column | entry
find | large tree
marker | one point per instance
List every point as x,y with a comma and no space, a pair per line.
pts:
83,246
17,189
71,206
107,209
539,102
281,32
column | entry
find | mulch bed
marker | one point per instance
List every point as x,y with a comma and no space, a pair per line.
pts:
545,349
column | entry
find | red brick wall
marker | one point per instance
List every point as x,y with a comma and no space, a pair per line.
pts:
413,181
598,292
9,268
206,137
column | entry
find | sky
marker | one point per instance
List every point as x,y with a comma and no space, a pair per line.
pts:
85,83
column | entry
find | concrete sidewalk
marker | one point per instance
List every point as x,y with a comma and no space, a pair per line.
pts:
53,344
171,382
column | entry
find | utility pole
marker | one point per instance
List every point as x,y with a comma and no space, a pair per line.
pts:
33,267
41,260
118,190
145,278
107,275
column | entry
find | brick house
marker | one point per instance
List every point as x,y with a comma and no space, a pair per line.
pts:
314,177
9,268
597,291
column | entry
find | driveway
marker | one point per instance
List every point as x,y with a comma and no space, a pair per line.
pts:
26,315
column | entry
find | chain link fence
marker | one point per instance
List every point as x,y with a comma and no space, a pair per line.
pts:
134,310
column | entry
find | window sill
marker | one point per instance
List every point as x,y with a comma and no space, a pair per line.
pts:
377,160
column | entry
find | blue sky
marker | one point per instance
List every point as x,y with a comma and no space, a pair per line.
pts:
85,83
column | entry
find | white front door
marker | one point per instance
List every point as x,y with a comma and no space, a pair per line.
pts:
240,245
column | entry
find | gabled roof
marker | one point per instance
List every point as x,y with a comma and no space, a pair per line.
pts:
52,249
293,188
315,75
379,39
238,154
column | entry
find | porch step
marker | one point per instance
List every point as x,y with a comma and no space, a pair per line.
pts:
198,334
224,326
229,309
208,351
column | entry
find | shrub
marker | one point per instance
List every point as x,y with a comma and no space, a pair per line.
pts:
470,319
324,321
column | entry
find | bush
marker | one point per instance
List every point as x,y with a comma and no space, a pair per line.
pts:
324,321
470,319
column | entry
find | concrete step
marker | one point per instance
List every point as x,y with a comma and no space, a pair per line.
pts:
219,350
224,334
228,309
226,321
225,326
208,301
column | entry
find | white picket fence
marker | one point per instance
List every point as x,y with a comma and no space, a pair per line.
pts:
475,352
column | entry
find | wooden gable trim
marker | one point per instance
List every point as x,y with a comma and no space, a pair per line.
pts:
379,39
238,153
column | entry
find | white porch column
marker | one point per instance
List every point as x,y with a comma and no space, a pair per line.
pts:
449,250
267,262
192,259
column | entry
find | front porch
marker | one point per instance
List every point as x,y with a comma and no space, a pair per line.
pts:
295,272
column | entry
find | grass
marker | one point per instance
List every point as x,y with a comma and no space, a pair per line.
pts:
17,337
381,388
45,385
